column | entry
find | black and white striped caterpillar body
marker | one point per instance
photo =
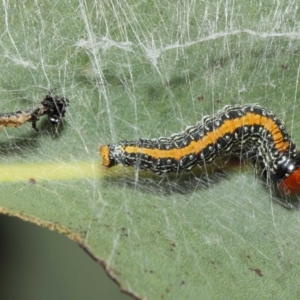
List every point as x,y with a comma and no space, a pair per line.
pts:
248,131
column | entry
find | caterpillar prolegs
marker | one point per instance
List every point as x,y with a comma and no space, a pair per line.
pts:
248,131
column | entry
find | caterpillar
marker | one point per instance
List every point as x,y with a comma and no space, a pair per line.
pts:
52,106
249,131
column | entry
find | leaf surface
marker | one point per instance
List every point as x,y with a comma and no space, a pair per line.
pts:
149,69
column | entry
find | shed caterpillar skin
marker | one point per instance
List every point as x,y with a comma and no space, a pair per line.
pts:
248,130
52,106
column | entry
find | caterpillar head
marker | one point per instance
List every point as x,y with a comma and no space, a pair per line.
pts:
108,157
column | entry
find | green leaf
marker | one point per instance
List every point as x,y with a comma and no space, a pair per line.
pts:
148,69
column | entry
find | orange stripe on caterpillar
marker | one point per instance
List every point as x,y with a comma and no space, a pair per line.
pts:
229,127
249,131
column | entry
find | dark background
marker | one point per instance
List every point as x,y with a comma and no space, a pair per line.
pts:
37,263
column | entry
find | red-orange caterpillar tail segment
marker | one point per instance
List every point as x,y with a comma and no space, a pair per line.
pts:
249,131
291,184
289,179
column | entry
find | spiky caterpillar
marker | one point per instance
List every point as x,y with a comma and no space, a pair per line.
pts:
52,106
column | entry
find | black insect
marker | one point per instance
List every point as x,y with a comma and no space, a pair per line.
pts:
52,106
